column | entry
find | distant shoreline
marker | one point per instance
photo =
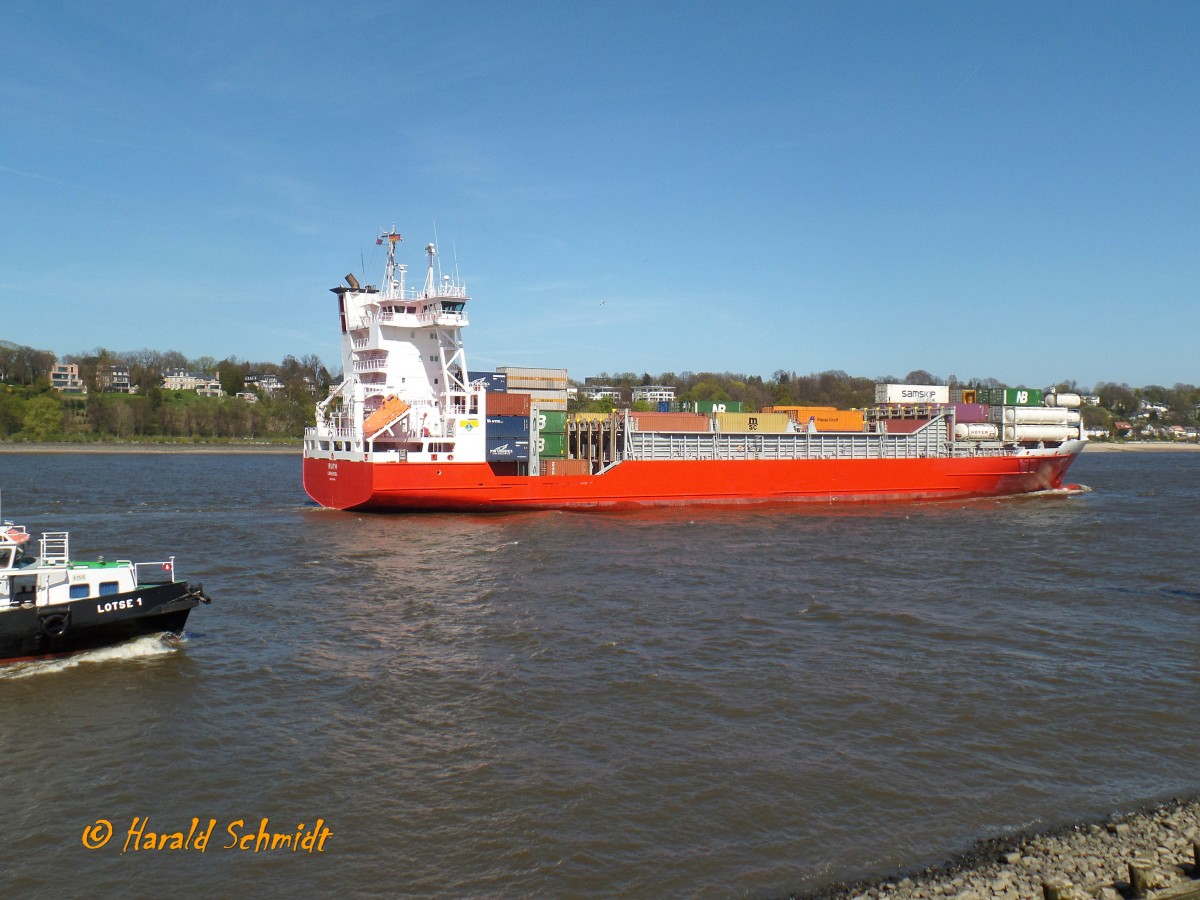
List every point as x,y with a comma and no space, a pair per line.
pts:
64,447
1135,446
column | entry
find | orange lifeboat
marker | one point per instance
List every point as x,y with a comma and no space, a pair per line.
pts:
393,408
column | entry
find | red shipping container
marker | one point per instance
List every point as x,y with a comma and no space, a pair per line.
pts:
669,421
904,426
507,404
566,467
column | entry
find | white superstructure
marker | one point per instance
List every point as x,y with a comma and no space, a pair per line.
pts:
404,390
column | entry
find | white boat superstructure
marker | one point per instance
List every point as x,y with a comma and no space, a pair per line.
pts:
404,390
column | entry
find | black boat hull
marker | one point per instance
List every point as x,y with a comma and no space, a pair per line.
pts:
47,631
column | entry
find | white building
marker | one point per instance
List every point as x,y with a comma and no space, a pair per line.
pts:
654,393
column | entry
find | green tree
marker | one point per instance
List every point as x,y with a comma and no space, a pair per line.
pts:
43,417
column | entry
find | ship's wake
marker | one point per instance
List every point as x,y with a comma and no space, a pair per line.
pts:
148,646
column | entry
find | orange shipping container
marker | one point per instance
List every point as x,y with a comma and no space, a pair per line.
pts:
566,467
768,422
669,421
507,404
827,418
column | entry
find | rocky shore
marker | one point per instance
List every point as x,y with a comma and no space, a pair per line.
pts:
1149,853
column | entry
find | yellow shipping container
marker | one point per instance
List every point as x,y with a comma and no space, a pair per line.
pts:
590,417
738,422
807,410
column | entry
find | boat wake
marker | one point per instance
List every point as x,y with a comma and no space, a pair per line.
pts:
148,646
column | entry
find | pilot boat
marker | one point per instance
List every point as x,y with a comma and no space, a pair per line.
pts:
52,605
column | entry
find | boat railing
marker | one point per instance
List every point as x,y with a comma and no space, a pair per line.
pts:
441,317
155,572
54,548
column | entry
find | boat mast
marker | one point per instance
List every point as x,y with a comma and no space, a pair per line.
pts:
393,289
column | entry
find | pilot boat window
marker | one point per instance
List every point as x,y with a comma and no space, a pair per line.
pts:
6,555
79,591
107,587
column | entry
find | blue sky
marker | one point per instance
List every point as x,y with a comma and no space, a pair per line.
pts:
1002,190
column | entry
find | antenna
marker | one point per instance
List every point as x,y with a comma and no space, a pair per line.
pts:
435,243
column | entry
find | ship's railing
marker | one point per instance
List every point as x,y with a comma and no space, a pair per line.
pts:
441,317
373,364
930,441
155,572
54,547
445,289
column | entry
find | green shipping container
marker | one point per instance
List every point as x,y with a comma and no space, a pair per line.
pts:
552,446
712,406
1022,397
551,421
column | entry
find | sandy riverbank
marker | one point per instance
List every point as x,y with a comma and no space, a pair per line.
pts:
29,447
1093,857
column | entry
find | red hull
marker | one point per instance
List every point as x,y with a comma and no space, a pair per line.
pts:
348,484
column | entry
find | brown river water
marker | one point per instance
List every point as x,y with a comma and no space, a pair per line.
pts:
673,703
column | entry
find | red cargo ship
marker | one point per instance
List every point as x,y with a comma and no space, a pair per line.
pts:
409,428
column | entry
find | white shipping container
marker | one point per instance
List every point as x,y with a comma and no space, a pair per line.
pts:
528,372
912,393
1040,433
975,431
1035,415
1070,401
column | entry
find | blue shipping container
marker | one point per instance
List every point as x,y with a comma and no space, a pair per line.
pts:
506,449
496,382
507,426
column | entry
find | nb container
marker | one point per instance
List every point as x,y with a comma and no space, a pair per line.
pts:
1022,397
553,445
550,420
718,406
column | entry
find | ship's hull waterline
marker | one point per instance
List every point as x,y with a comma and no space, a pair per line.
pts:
350,484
